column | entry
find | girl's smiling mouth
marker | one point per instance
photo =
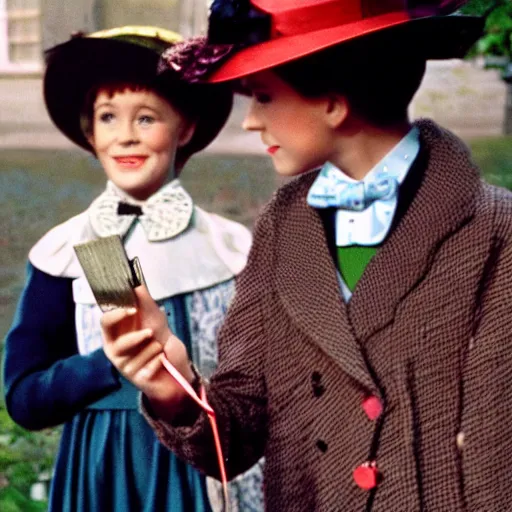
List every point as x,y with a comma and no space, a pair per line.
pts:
131,161
272,149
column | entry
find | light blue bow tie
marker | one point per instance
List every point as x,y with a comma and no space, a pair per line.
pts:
331,190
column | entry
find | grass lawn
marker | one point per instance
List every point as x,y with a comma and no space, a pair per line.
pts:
494,156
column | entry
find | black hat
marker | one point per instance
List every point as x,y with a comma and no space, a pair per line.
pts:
128,55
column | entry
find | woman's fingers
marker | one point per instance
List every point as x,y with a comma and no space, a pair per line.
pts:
112,321
145,303
149,371
124,347
120,321
176,353
175,350
132,341
133,364
116,315
142,294
151,315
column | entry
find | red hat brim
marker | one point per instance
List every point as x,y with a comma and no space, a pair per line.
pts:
437,37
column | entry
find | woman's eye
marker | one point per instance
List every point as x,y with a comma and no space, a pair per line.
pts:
146,120
106,117
262,97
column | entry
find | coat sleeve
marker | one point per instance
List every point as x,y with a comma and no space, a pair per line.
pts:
46,382
237,390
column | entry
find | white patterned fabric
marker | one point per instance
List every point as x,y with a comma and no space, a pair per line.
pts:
207,309
365,208
245,491
166,214
210,251
88,330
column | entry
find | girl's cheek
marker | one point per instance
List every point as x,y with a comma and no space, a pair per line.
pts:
161,139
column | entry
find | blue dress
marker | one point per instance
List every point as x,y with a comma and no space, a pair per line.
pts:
56,372
104,436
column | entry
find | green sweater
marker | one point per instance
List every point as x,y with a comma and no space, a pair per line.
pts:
352,262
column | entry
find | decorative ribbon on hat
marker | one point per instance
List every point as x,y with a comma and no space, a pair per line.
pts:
232,24
366,208
166,214
194,58
237,22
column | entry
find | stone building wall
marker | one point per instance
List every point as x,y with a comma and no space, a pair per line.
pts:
59,18
462,96
164,13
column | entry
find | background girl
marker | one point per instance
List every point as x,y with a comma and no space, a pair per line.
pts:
102,91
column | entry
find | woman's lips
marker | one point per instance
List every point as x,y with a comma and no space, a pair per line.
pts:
131,162
272,149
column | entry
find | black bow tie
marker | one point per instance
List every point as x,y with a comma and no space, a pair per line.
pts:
164,215
128,209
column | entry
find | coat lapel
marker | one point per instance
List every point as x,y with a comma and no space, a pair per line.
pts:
306,277
307,284
444,202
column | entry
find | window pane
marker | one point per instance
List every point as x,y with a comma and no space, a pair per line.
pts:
24,31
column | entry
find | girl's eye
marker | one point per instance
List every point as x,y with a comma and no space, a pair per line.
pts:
262,97
146,120
106,117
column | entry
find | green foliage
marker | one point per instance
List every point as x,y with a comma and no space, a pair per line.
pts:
12,500
497,40
480,7
24,456
494,156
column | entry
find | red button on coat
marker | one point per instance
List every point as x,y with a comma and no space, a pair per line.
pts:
372,407
366,476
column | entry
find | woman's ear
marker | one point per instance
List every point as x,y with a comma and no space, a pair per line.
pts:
336,111
186,134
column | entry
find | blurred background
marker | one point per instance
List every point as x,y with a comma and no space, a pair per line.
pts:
44,179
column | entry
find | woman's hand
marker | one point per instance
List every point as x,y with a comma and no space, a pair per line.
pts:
134,341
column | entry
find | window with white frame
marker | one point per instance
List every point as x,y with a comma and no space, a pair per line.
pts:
20,35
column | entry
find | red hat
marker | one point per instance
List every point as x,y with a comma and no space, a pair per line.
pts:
273,32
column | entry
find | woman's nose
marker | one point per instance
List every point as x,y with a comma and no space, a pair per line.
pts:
252,122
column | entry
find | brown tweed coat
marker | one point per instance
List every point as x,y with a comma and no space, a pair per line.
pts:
428,331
